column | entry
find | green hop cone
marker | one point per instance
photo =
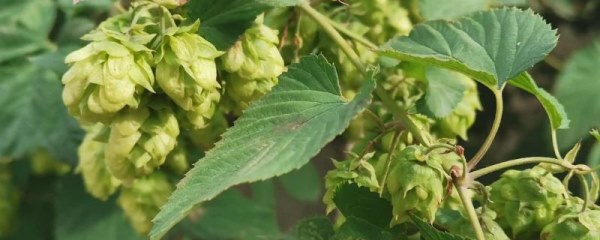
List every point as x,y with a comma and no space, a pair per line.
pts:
252,64
491,229
142,200
463,116
9,201
385,18
526,201
573,224
187,73
357,170
170,4
177,160
42,163
97,179
416,183
205,138
140,140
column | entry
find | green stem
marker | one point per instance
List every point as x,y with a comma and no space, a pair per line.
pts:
586,192
398,112
468,204
555,144
495,126
388,160
517,162
350,34
440,146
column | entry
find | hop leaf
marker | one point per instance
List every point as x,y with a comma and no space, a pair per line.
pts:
526,200
142,201
97,179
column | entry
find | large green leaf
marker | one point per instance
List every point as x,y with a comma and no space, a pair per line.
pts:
360,202
449,9
303,184
224,21
554,110
34,16
489,46
79,216
578,88
277,134
445,90
33,115
234,216
429,232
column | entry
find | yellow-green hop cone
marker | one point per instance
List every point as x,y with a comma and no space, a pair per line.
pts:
143,199
105,76
140,140
416,184
253,64
170,3
526,201
177,160
42,163
572,224
9,201
187,73
491,229
463,116
205,138
97,179
385,18
357,171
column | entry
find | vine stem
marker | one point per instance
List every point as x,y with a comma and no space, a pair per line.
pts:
586,192
330,30
495,126
468,204
555,144
516,162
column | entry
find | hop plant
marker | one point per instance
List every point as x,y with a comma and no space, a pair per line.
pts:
187,73
357,170
171,3
112,71
9,200
491,229
385,18
177,160
573,224
97,179
526,201
143,199
416,184
140,140
463,116
252,64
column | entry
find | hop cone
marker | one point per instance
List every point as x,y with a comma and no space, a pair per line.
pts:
526,201
140,140
143,199
9,200
416,184
491,229
186,71
572,224
358,171
171,3
177,160
42,163
253,65
96,177
385,18
463,116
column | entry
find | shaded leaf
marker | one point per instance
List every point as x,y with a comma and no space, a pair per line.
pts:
445,90
234,216
33,115
577,89
314,228
360,202
303,184
489,46
79,216
449,9
277,134
555,111
359,229
429,232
